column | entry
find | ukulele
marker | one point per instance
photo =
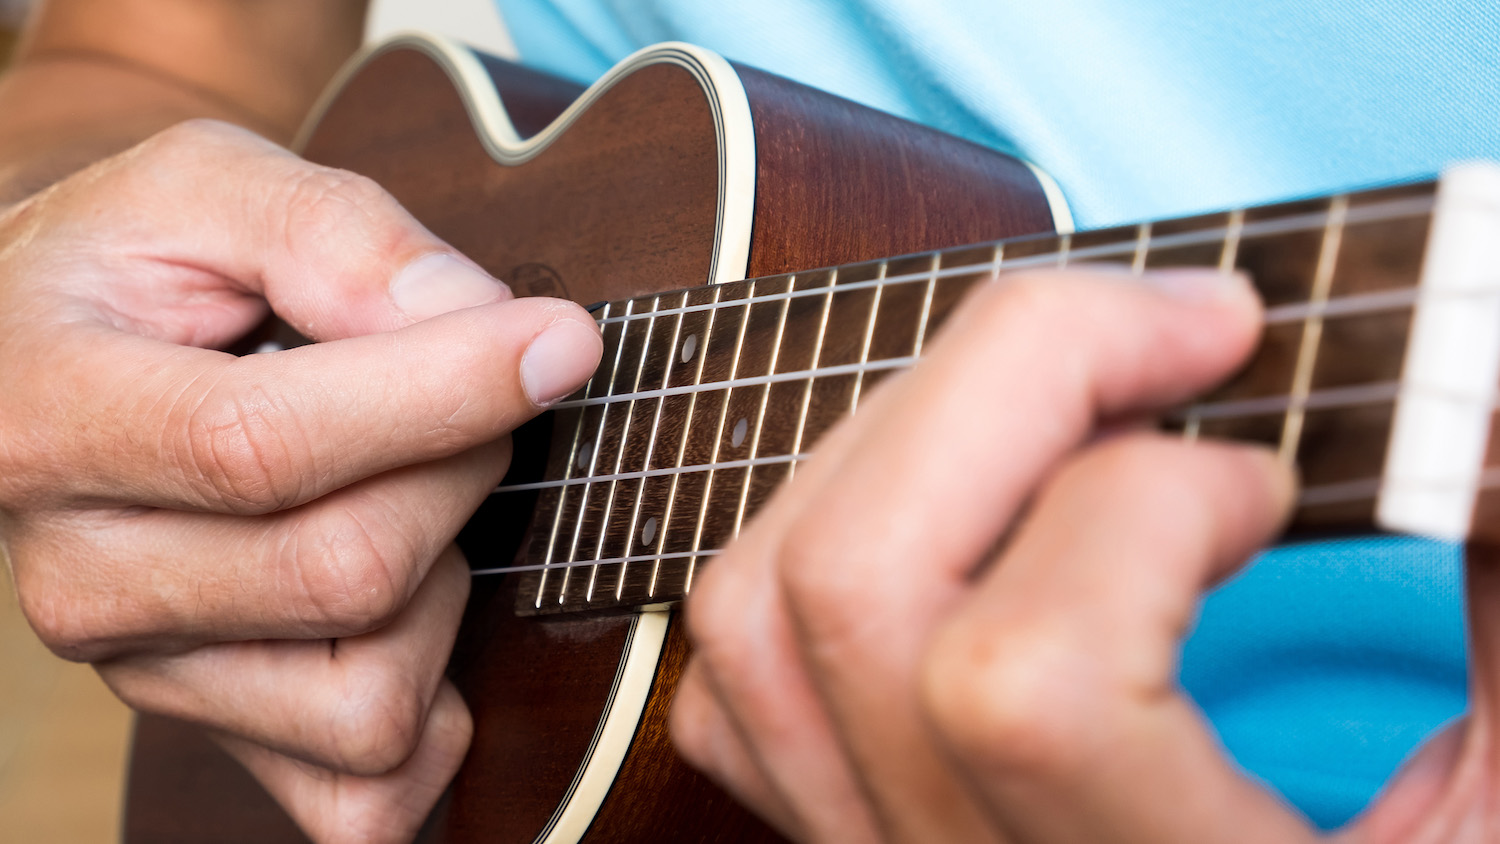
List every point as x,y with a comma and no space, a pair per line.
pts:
653,193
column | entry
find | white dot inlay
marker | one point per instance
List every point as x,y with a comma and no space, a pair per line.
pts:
648,531
741,428
689,347
585,451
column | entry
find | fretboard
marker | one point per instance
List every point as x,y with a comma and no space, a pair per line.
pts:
708,399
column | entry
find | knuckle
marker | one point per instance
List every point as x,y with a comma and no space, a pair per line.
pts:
709,617
58,620
178,154
242,449
324,202
72,626
1011,700
378,724
820,585
350,574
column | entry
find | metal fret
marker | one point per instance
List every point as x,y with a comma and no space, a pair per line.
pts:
760,416
571,466
1312,329
864,351
669,511
609,501
635,510
1142,246
807,387
604,417
739,343
926,313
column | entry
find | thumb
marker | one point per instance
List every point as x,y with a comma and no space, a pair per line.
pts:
210,220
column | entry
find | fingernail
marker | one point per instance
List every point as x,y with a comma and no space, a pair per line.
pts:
440,283
559,360
1200,283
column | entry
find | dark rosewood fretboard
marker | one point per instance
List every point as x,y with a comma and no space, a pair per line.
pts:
708,398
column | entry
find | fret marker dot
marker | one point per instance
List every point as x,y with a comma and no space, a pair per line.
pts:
741,428
584,453
648,531
689,347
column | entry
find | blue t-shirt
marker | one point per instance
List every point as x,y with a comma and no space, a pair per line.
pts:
1322,666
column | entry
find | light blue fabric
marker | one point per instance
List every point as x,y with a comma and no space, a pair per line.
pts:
1322,666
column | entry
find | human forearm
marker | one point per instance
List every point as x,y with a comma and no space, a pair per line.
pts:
93,77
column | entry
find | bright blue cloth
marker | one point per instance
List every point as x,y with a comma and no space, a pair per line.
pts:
1322,666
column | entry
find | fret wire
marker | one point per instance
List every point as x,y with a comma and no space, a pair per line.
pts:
760,416
1376,212
708,483
1312,329
817,356
1142,245
594,457
1231,252
1064,244
1227,256
567,473
635,511
926,312
864,347
687,426
609,500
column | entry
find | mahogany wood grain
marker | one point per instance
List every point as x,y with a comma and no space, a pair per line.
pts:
838,182
621,205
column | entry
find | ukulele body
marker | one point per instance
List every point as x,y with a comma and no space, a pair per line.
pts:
676,170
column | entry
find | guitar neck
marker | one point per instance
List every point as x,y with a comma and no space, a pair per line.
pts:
708,399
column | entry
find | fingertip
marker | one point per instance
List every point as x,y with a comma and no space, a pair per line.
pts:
1204,285
1279,477
560,359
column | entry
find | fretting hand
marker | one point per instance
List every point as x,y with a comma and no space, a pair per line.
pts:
961,621
870,667
262,544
